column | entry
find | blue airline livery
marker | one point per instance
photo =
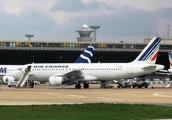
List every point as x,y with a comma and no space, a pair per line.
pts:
86,56
3,70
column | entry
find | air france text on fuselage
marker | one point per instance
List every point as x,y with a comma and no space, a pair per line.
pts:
51,66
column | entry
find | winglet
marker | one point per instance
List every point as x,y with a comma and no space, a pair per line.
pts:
150,52
86,56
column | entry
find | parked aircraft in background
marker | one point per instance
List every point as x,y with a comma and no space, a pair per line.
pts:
74,73
14,72
170,61
166,73
170,64
10,70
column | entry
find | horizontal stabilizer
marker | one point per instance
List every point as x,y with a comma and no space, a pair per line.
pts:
149,67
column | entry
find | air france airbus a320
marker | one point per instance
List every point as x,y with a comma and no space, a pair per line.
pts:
75,73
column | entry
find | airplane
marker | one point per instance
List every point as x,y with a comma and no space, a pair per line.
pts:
168,72
76,73
14,72
170,61
10,70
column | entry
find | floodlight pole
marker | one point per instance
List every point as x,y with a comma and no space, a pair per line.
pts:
29,36
94,28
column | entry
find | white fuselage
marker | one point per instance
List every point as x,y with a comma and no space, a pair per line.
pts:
10,69
101,71
12,72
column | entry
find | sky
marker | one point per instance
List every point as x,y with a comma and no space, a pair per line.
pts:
58,20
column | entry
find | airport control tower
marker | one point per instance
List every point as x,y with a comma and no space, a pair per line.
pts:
84,34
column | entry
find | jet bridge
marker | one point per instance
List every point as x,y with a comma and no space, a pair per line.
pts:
24,78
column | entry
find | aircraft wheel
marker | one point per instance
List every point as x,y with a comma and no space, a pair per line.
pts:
139,86
78,86
86,86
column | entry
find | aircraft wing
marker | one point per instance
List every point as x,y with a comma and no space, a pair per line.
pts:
74,74
1,76
70,75
77,75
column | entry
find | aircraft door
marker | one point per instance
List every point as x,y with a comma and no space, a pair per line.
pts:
28,69
129,70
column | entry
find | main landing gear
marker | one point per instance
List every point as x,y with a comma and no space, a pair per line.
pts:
105,84
78,86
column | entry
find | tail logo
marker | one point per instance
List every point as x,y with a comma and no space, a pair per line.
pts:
154,57
170,58
150,52
86,56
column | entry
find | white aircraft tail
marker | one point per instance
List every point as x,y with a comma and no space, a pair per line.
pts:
86,56
150,52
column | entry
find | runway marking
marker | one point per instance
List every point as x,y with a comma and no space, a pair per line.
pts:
50,94
159,95
76,96
43,93
104,98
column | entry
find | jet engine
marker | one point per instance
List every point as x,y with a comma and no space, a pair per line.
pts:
57,80
8,78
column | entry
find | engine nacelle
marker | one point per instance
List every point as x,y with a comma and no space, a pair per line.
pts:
57,81
8,78
170,70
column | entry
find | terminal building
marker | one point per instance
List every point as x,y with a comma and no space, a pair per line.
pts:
24,52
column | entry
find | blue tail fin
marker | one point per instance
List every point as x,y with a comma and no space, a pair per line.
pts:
86,56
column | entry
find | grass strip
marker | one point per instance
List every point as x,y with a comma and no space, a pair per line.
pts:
89,111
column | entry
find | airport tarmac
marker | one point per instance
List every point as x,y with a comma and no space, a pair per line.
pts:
45,94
